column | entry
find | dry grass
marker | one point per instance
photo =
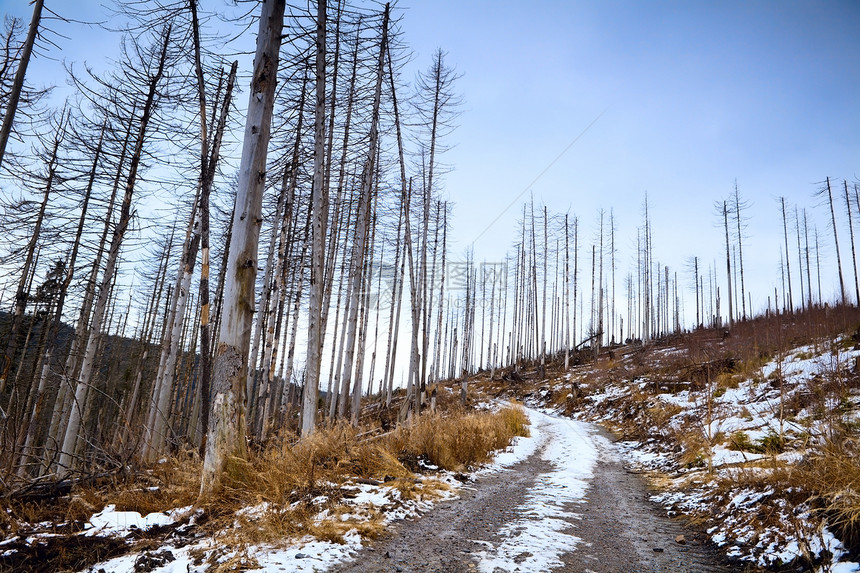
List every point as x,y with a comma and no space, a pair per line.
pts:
833,474
294,487
456,442
295,481
291,482
175,482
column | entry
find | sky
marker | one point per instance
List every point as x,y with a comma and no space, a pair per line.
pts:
688,98
589,105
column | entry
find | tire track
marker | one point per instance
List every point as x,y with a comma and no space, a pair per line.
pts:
500,523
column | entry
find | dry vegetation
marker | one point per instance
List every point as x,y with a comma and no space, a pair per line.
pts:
666,396
291,488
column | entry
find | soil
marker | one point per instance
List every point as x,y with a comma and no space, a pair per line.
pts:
620,529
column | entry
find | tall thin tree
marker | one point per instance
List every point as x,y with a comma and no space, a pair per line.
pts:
226,432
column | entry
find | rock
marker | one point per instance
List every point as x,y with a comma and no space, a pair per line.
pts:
301,556
658,550
680,539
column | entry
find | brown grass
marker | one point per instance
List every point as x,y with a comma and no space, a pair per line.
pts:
459,441
292,482
298,479
833,474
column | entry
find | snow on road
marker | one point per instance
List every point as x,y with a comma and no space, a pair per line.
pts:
536,541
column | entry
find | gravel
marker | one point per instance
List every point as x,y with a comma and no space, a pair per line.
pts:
619,529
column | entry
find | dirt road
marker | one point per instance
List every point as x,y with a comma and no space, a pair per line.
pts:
569,506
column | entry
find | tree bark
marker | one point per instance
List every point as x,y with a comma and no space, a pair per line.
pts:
226,433
316,330
208,168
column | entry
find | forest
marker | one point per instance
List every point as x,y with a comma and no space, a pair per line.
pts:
184,274
119,201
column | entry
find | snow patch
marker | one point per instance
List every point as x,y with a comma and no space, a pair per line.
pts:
536,541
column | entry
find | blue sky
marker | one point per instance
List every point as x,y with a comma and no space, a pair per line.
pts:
693,95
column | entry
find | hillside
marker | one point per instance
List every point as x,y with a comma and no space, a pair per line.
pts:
753,436
750,437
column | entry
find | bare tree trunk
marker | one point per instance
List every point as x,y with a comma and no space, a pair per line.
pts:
157,426
355,409
739,206
790,299
44,371
566,294
347,342
208,168
266,309
226,433
575,271
836,242
21,296
853,249
222,274
398,296
468,323
543,301
337,228
729,264
337,350
612,270
20,74
276,302
427,299
818,264
394,300
366,196
600,293
297,297
397,293
316,330
63,403
146,339
442,270
696,285
808,266
414,297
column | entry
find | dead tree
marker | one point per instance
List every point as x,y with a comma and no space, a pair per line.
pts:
21,295
829,192
790,300
853,249
226,432
18,84
205,189
729,265
70,440
737,211
319,192
32,441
